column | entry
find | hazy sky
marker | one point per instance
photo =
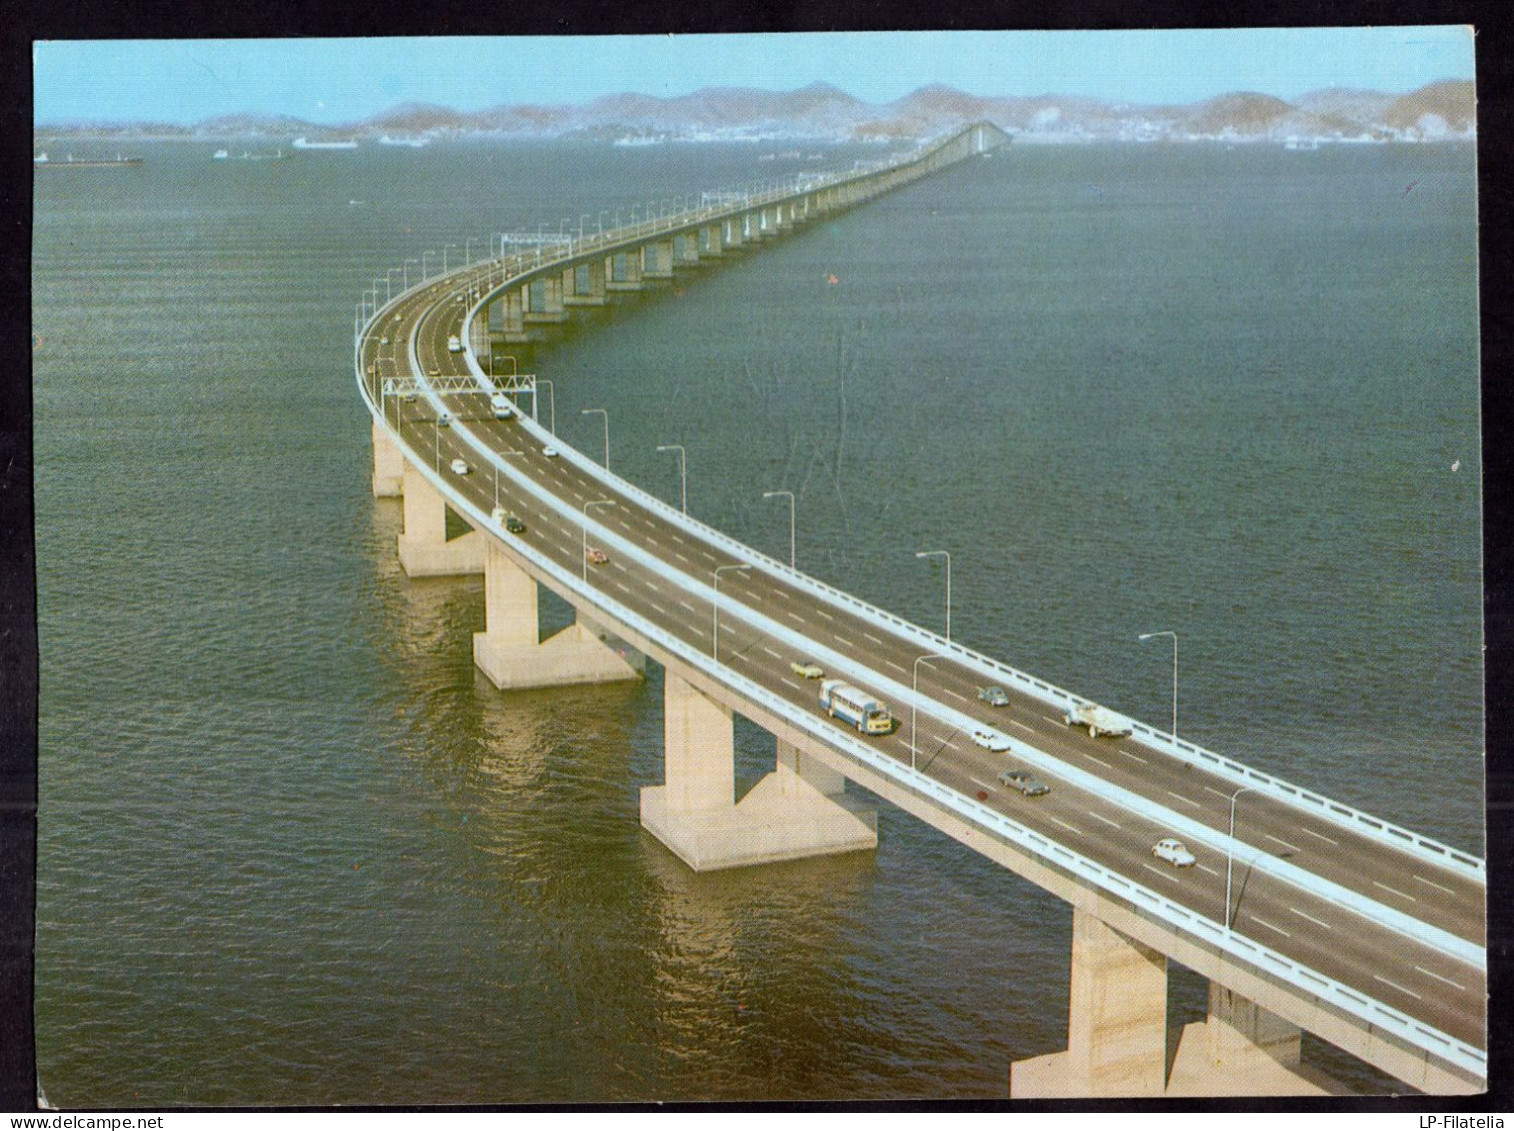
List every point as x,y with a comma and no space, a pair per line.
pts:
336,80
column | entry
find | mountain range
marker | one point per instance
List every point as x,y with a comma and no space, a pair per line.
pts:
822,112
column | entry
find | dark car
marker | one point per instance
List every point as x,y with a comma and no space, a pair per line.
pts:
994,696
515,525
1029,786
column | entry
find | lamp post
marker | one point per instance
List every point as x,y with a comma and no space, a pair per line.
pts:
683,471
445,248
605,413
948,557
468,251
551,405
601,224
913,711
715,610
389,276
425,271
790,495
1230,854
1165,632
405,272
585,556
510,452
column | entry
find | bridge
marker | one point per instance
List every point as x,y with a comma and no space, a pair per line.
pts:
1308,915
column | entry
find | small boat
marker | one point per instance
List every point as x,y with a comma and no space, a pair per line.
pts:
303,143
41,162
408,142
220,155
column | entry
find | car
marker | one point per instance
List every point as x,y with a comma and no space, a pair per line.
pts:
807,669
384,341
549,451
1174,852
515,525
433,372
501,406
444,420
598,556
1022,781
990,740
994,696
460,467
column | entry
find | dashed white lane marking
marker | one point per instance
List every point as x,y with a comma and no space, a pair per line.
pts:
1106,820
1440,978
651,584
1070,828
784,593
956,694
1269,926
984,784
896,667
1284,843
1395,891
844,642
681,557
790,682
825,614
1396,986
795,616
1166,873
658,607
771,653
1319,836
688,606
678,539
1217,792
1100,761
1433,884
873,638
1312,919
1128,754
622,586
1184,800
1053,722
1022,726
1207,868
652,540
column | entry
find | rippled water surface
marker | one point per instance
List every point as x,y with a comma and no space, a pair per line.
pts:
295,851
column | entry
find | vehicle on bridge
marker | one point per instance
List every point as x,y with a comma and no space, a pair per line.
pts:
994,696
454,344
807,669
598,556
501,406
460,467
1098,720
990,740
1174,852
842,701
1022,781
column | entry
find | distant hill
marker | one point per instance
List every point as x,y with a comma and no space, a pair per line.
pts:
823,112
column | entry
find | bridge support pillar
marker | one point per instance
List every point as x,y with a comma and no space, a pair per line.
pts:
586,284
686,249
1116,1026
509,650
388,464
710,245
1243,1050
624,271
424,549
795,812
657,259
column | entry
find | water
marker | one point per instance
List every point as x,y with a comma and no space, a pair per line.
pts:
293,850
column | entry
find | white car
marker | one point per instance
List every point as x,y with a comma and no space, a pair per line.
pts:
460,467
1175,852
501,406
990,741
549,451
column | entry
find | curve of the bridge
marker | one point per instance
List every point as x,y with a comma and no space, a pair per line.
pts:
1365,921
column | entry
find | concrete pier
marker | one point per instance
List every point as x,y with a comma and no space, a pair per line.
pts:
424,548
388,464
624,272
510,652
799,810
657,259
586,284
1243,1050
1116,1022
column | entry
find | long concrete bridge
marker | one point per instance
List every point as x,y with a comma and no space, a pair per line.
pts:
1306,915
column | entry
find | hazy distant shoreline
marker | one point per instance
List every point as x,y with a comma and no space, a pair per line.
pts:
821,113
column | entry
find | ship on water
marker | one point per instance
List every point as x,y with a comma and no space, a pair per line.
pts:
408,142
304,143
225,155
41,161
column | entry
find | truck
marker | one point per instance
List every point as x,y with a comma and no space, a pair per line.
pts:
852,705
1098,720
454,344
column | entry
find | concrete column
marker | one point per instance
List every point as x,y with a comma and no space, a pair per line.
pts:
424,550
512,312
686,249
1116,1024
657,259
509,650
586,288
625,272
545,293
799,810
710,243
1243,1050
388,464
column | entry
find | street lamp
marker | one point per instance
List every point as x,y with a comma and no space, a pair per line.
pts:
405,272
948,557
683,470
715,611
1165,632
510,452
585,556
388,277
581,220
468,251
605,413
790,494
1230,853
445,247
425,271
913,711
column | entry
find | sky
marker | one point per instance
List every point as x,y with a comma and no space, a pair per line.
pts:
331,81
